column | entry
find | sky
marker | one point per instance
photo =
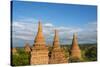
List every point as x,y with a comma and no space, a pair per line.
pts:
66,18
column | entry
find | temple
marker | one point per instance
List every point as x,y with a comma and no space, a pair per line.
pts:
39,53
75,50
14,50
57,54
27,48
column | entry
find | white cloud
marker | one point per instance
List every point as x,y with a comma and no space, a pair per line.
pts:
18,25
28,30
24,37
89,33
23,30
48,25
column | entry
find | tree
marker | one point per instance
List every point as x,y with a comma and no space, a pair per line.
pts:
75,59
91,54
22,58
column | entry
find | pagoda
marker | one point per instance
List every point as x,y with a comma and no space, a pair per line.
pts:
14,50
57,54
75,51
27,48
39,53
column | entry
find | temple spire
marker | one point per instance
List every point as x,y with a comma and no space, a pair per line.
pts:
57,54
56,40
39,37
39,53
75,42
39,26
75,50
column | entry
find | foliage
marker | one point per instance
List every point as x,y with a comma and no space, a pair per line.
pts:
66,51
74,59
21,59
91,54
88,51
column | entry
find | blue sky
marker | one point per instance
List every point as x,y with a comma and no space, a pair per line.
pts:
67,18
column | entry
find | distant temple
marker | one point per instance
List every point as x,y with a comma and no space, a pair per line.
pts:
39,54
75,50
27,48
14,50
57,54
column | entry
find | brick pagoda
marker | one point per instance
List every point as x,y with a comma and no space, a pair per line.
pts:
39,53
27,48
75,50
14,50
57,54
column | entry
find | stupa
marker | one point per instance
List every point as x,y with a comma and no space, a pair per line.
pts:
27,48
14,50
57,54
39,53
75,51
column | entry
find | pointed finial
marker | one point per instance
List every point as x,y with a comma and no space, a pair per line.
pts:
39,21
75,35
56,39
56,32
39,26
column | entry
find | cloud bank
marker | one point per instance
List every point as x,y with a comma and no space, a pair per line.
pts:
26,31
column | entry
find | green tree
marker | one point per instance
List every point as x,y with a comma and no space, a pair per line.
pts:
75,59
22,58
91,54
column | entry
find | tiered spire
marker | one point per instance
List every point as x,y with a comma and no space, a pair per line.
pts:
75,50
39,54
57,54
40,27
56,40
39,40
74,42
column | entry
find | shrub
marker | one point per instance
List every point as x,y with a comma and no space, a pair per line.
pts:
91,54
22,58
